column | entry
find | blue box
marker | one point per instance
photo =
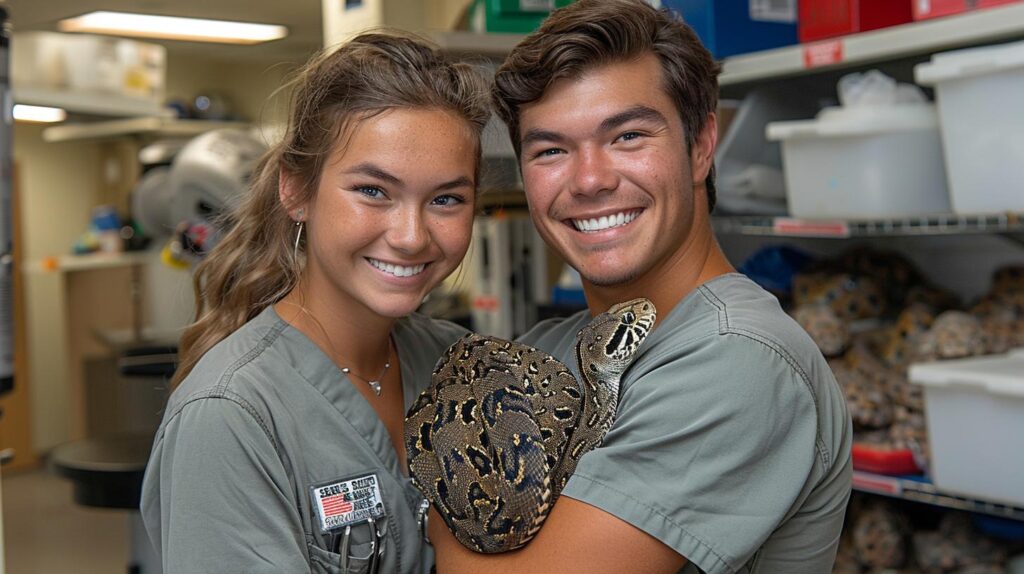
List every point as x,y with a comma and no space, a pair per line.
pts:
731,27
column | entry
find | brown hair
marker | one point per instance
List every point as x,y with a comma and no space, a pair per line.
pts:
254,266
591,33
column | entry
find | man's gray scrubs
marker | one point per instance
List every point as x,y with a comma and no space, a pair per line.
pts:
260,440
732,440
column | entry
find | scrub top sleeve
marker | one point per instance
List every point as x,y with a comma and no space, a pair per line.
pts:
425,339
224,504
710,450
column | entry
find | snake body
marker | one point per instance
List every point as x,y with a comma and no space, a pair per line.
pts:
494,438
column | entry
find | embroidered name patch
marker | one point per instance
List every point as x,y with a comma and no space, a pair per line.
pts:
346,502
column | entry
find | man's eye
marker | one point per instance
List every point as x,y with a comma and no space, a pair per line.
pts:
448,200
630,136
547,152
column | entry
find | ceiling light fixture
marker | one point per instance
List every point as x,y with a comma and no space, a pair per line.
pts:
39,114
172,28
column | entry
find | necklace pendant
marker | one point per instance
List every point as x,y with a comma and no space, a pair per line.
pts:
375,385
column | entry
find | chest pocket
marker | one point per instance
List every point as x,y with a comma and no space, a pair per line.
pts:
368,542
325,562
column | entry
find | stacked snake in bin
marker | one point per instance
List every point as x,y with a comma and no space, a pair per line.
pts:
494,438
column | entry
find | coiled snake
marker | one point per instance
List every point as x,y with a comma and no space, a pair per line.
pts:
495,437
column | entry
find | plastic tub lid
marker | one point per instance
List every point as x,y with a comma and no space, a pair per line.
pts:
858,121
969,63
997,374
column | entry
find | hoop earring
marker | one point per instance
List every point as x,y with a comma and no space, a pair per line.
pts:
298,237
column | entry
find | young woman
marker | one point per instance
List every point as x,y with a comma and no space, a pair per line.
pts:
281,447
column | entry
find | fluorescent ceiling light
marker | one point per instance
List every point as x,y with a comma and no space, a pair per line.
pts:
41,114
172,28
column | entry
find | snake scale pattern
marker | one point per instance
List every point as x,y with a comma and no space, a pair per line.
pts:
495,437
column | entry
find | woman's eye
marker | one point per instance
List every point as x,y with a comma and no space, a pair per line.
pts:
448,200
370,191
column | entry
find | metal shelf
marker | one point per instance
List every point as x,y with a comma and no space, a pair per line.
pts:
154,126
92,104
971,28
89,262
918,489
1010,223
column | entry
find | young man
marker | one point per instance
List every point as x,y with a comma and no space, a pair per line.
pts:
731,447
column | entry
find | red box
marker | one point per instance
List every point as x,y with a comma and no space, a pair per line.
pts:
830,18
879,460
990,3
924,9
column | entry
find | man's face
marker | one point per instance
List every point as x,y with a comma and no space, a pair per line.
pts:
607,173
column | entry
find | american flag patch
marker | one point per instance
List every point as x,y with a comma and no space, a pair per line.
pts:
341,503
335,505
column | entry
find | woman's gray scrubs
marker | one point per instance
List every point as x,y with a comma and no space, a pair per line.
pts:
261,438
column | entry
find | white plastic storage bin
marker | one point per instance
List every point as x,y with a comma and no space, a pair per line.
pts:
864,162
979,93
975,413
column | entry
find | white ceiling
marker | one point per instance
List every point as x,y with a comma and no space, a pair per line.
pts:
302,17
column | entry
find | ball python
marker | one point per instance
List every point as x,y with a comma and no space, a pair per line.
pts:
850,296
497,433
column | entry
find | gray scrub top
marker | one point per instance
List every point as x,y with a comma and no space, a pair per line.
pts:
262,420
732,439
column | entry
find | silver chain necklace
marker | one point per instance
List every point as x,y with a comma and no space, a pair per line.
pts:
375,382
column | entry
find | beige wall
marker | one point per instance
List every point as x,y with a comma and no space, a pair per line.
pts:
57,184
417,15
249,85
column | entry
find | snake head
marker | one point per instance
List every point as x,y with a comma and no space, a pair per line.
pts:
608,344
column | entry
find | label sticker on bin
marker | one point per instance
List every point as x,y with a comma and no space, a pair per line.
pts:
823,53
773,11
810,227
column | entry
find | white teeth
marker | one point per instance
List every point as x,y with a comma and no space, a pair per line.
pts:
604,222
398,270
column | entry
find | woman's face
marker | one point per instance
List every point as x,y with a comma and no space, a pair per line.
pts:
393,213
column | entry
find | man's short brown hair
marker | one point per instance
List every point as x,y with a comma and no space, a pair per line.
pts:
591,33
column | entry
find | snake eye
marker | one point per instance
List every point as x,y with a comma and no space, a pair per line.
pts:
628,317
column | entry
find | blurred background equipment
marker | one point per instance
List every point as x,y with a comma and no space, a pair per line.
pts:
188,190
210,174
153,196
